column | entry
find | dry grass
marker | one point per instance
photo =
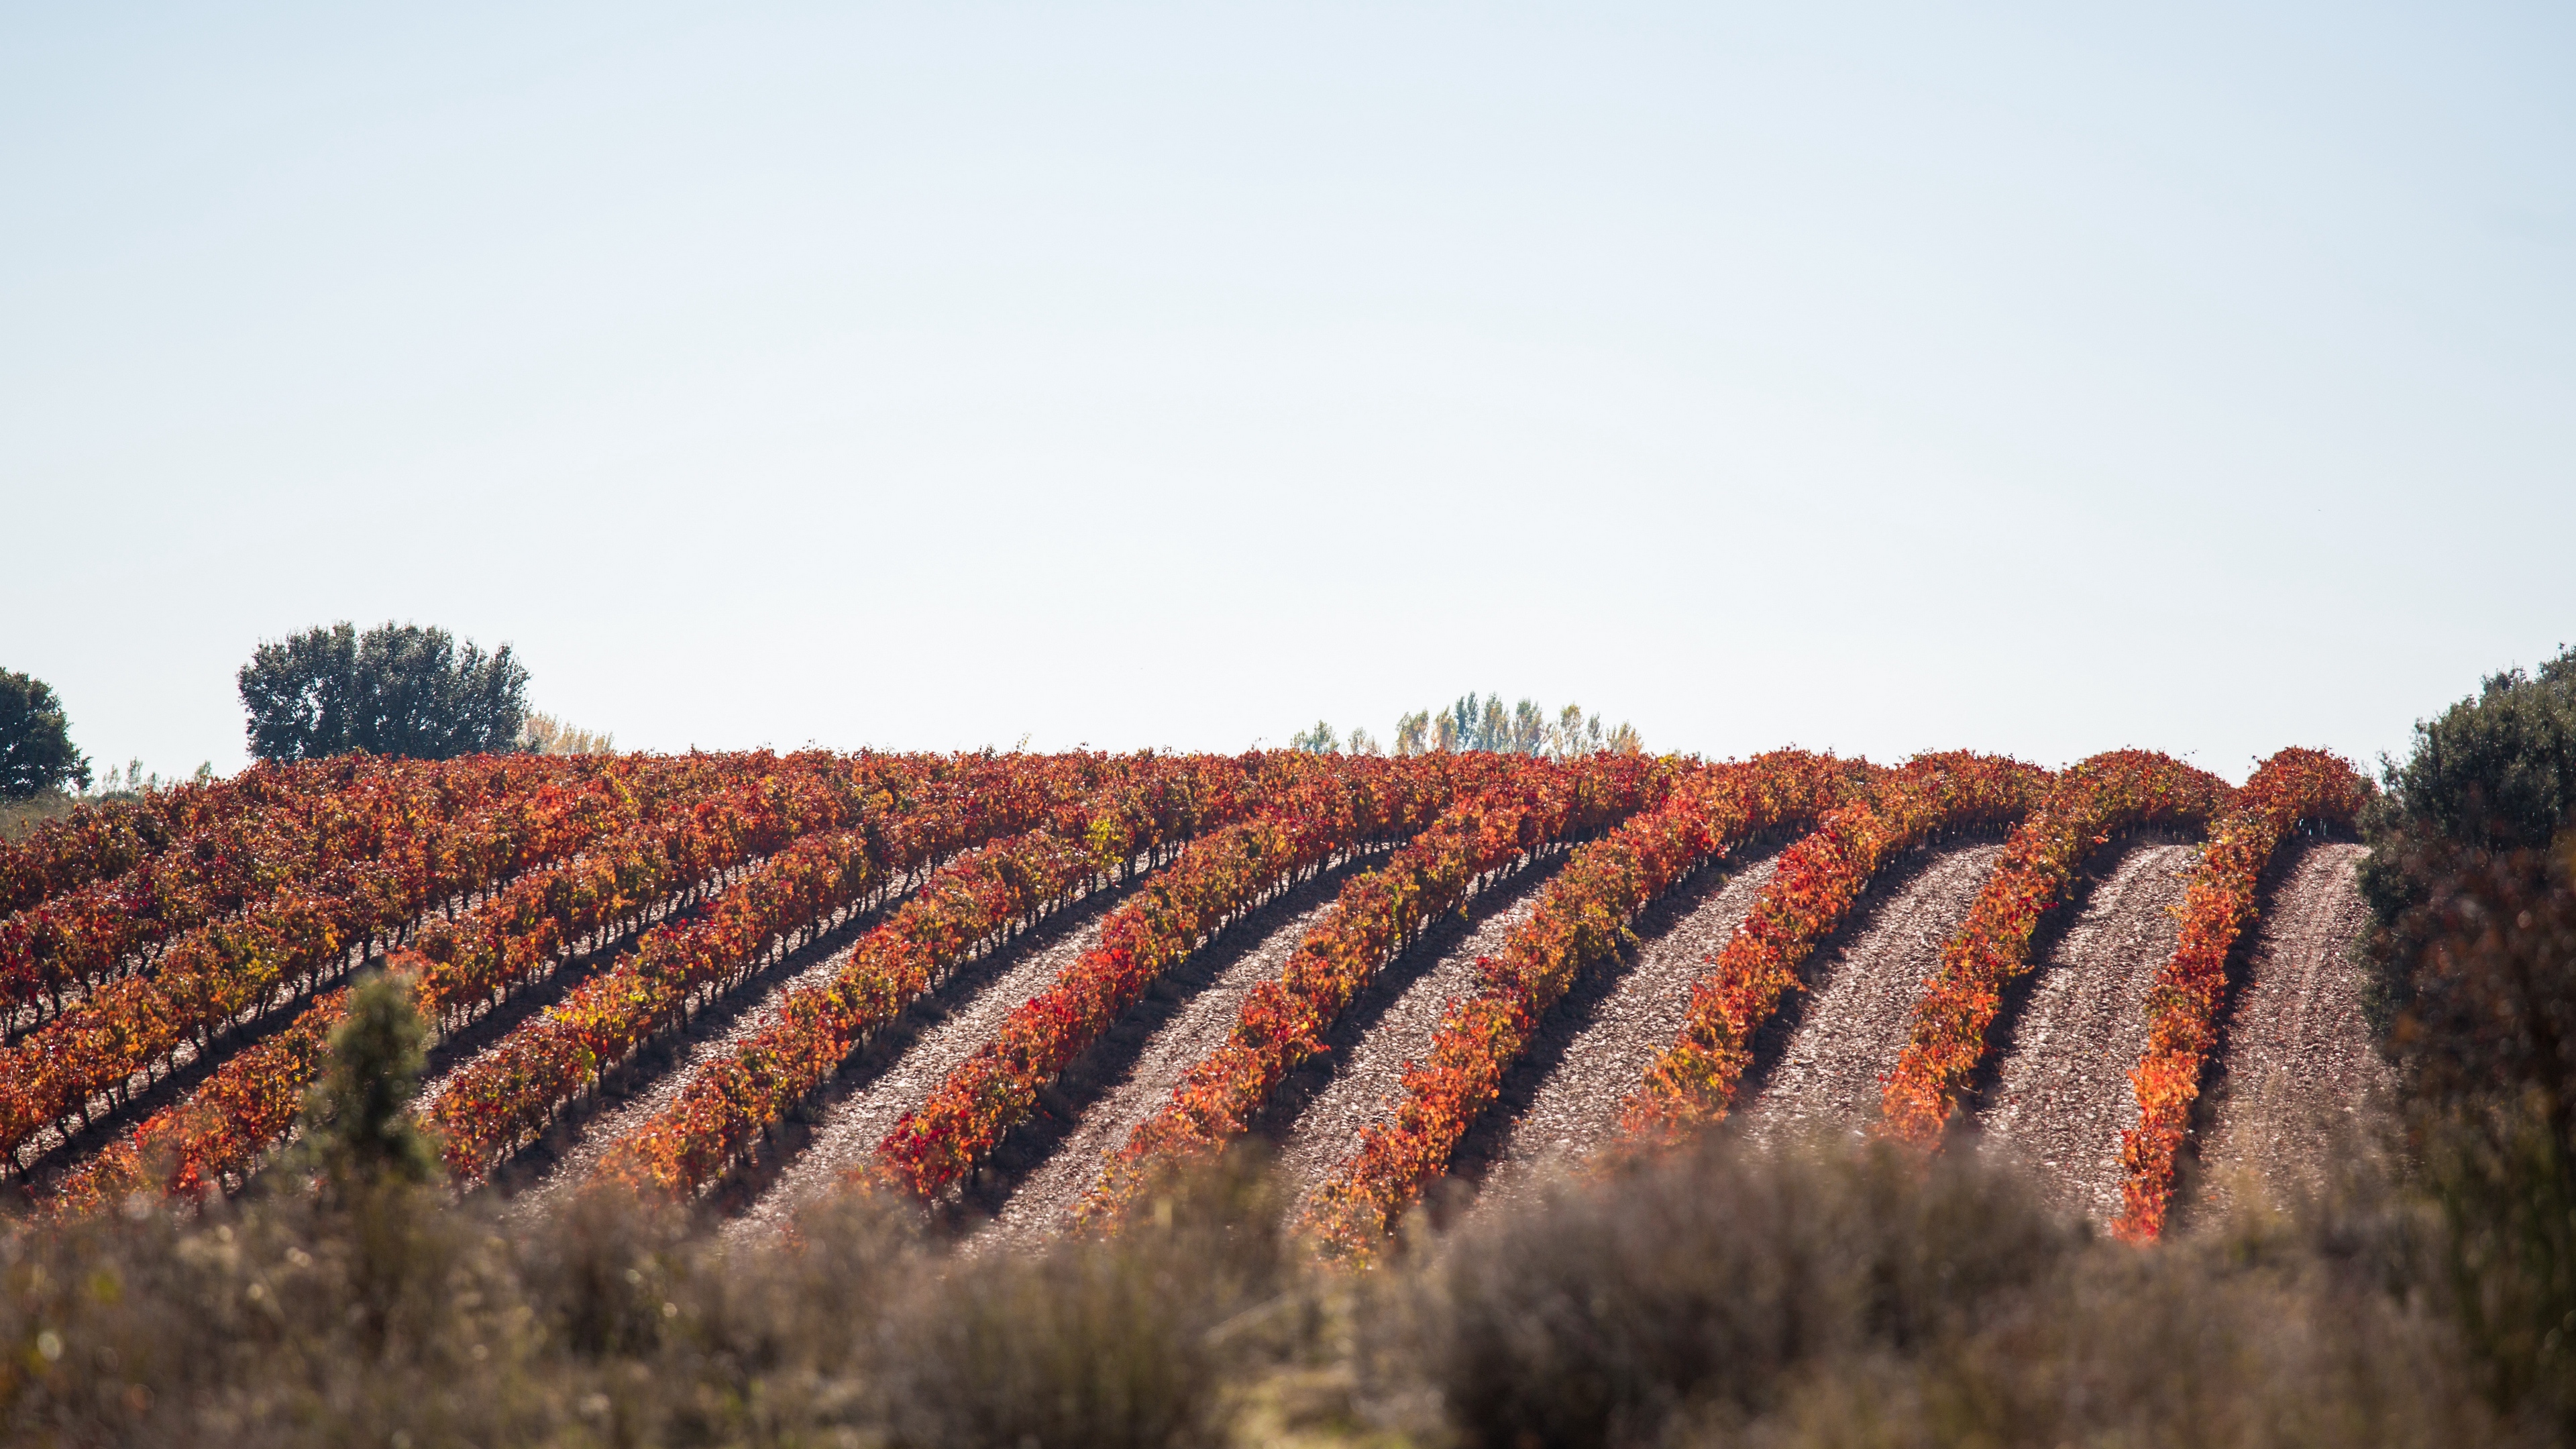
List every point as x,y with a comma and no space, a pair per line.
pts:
1808,1296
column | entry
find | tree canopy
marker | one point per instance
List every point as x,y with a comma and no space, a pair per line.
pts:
2499,769
394,690
36,751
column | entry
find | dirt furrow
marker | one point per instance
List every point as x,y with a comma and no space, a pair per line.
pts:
1321,1110
1044,1169
2300,1078
1848,1028
2061,1096
541,1176
544,1178
904,1063
1563,1100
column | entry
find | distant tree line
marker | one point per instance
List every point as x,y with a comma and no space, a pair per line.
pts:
543,734
1473,723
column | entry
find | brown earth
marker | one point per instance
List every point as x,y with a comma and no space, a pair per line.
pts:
1847,1030
1045,1169
545,1178
1562,1101
906,1061
2061,1096
2300,1078
904,1064
1318,1114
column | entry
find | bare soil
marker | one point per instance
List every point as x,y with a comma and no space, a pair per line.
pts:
902,1065
1046,1167
544,1178
2299,1078
1320,1111
1845,1032
593,954
1562,1100
2061,1097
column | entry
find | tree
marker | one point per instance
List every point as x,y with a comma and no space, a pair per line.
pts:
36,753
1479,722
1413,733
2471,878
543,734
394,690
359,1128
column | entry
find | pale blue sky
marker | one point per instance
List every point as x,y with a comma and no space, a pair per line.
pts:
2038,380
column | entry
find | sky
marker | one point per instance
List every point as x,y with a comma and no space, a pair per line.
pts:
2041,380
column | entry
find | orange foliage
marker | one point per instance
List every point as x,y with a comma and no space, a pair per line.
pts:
1693,1082
723,1110
2294,788
1283,1022
2120,790
1580,918
1324,804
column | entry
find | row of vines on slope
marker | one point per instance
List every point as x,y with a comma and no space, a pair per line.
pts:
726,1108
512,1092
463,966
2094,799
329,843
212,976
1283,1022
1810,894
2294,788
1339,803
102,841
1580,919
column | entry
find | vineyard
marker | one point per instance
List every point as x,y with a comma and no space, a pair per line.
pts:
1031,993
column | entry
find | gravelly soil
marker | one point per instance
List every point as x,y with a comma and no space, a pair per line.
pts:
1123,1082
1321,1111
2061,1096
906,1062
1851,1024
903,1064
2299,1076
1563,1100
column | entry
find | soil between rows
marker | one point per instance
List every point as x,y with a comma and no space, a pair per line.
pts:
901,1065
1846,1030
1561,1101
1316,1117
1042,1170
543,1176
2061,1097
2299,1080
